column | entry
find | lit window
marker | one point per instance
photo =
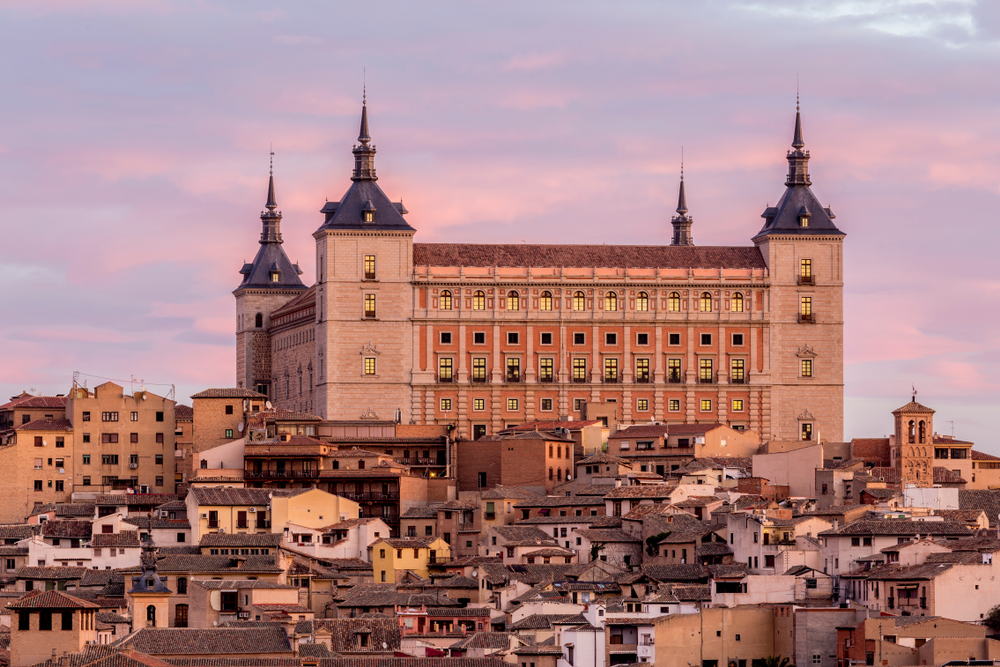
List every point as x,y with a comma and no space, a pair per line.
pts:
579,301
445,301
512,405
479,369
444,369
737,405
806,367
642,301
737,303
706,302
545,369
673,370
369,305
479,300
513,370
546,405
803,221
611,370
611,301
738,371
545,303
806,270
705,369
706,405
674,302
445,404
579,370
578,404
806,307
513,301
642,370
369,365
369,267
642,405
275,276
807,431
479,404
674,405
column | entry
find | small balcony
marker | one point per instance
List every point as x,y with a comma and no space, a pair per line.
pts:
807,318
807,280
546,378
737,380
610,379
370,497
281,474
490,516
445,379
582,380
478,379
513,377
674,378
706,380
642,379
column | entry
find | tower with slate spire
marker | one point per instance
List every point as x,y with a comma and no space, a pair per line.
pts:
148,599
364,298
269,281
682,221
803,360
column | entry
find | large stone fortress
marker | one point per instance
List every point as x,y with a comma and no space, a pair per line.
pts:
485,335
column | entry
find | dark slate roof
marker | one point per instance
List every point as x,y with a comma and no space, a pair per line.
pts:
690,572
899,527
218,495
208,642
228,392
602,256
346,214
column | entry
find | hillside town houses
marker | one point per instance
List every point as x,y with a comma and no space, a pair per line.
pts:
485,455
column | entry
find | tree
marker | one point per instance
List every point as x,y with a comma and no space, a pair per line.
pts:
653,543
595,550
992,620
772,661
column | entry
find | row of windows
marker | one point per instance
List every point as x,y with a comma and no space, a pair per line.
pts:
578,302
641,405
580,338
106,439
546,372
113,416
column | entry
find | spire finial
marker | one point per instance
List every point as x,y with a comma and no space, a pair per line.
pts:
271,168
271,203
682,208
363,136
797,142
364,86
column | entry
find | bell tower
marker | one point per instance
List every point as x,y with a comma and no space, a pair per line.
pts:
913,449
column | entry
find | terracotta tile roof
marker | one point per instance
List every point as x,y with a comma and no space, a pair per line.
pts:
110,617
486,640
642,431
653,491
272,540
214,564
183,413
914,407
224,496
229,392
546,621
46,425
126,539
347,524
25,401
561,501
691,592
945,476
383,635
11,550
983,456
898,527
64,509
604,457
150,523
406,543
134,499
552,424
981,499
500,492
386,595
500,574
53,573
213,641
587,256
690,572
50,600
256,584
728,570
520,533
606,535
71,528
550,520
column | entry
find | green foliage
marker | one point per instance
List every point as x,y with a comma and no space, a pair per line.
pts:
992,620
653,541
772,661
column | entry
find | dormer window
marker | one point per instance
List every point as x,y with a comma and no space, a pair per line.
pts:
275,276
368,212
370,217
803,221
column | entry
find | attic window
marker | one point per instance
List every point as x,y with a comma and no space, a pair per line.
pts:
369,217
275,276
803,221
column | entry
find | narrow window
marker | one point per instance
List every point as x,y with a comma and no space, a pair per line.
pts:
807,368
611,301
369,365
513,370
674,302
737,303
444,369
705,371
579,370
611,370
369,267
513,301
805,271
642,370
706,302
369,305
545,369
738,371
807,431
479,300
579,301
806,309
445,300
674,370
479,369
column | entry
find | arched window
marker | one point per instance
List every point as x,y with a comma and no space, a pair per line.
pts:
479,300
706,302
737,304
151,616
910,435
513,301
642,301
545,303
259,321
445,301
674,302
579,301
611,301
923,431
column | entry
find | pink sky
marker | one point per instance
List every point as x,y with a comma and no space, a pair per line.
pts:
134,140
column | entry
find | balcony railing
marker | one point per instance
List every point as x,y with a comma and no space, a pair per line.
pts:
480,380
807,280
515,377
706,380
419,462
737,380
674,379
546,378
467,528
281,474
579,380
490,516
642,379
810,317
444,378
610,379
369,496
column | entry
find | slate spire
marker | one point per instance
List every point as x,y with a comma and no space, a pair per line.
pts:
798,159
682,221
364,155
271,218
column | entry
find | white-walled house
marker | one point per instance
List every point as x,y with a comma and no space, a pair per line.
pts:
351,538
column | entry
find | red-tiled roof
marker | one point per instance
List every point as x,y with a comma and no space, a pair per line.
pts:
643,431
183,413
230,392
586,256
51,600
41,402
870,449
46,425
550,425
983,456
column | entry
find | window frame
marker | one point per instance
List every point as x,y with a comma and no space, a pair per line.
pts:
444,300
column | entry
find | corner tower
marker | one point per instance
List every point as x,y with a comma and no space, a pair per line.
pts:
364,298
803,250
269,281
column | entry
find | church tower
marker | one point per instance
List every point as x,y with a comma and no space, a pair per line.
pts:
269,281
913,448
682,221
803,359
364,298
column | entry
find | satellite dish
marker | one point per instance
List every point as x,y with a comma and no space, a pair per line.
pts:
384,645
267,404
144,396
240,427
